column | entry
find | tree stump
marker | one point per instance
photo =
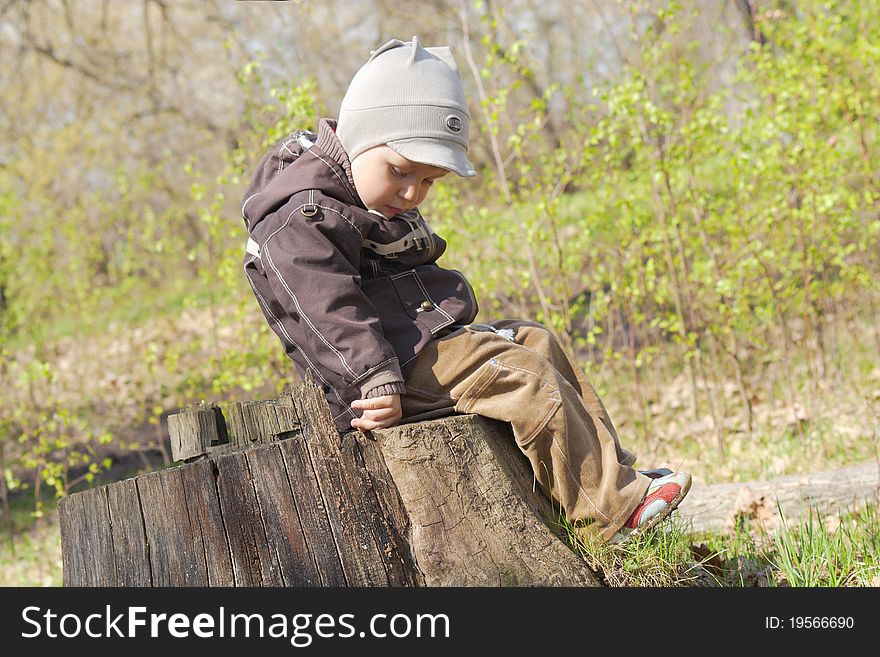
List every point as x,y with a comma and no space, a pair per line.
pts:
270,494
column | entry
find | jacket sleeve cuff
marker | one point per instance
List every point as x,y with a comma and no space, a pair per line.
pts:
387,389
389,374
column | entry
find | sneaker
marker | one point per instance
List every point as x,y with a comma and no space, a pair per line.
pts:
664,495
656,473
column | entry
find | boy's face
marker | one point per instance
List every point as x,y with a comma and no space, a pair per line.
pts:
389,183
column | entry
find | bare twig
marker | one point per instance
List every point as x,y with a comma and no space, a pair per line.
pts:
484,102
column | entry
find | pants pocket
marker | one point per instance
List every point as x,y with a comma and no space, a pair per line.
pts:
475,392
512,393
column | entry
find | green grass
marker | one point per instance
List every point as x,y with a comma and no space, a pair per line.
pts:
811,553
30,554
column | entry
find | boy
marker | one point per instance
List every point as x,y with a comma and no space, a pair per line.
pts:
344,268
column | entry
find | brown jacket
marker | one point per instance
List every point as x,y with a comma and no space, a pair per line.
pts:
353,296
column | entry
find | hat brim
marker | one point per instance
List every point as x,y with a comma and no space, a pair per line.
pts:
436,152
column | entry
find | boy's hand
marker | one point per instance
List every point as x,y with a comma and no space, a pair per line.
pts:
379,412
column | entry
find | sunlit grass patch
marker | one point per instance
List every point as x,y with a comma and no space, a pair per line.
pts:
831,551
816,551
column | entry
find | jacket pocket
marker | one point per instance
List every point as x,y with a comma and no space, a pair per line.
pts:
422,299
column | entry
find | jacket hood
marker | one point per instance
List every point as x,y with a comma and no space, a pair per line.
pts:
276,180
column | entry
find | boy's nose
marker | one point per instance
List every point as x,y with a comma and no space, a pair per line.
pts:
410,193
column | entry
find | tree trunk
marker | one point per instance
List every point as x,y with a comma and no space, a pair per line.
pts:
476,517
274,496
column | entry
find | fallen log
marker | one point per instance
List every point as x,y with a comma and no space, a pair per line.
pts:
725,507
270,494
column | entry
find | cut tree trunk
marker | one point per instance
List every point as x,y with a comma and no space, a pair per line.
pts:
272,495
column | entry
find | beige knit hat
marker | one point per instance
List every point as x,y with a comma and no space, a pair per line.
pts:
410,98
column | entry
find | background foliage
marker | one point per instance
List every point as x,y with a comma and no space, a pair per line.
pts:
689,195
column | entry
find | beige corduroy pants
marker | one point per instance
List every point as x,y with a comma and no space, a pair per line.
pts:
558,420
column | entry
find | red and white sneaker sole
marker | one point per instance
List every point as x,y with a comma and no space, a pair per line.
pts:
625,534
